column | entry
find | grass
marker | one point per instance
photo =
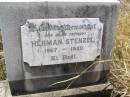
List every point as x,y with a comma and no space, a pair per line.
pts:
2,67
120,69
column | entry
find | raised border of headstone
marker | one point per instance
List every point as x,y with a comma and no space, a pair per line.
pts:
87,90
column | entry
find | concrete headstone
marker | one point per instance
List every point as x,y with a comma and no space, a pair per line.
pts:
40,49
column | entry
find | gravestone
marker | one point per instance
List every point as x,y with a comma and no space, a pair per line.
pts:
49,42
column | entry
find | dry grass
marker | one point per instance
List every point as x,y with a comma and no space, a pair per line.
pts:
120,70
2,61
2,67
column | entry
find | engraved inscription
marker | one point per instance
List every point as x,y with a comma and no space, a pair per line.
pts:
61,40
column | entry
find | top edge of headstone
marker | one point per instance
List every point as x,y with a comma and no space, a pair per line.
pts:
102,1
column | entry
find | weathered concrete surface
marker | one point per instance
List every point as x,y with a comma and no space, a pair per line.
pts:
5,91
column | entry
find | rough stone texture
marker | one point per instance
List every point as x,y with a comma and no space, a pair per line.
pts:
14,15
5,91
